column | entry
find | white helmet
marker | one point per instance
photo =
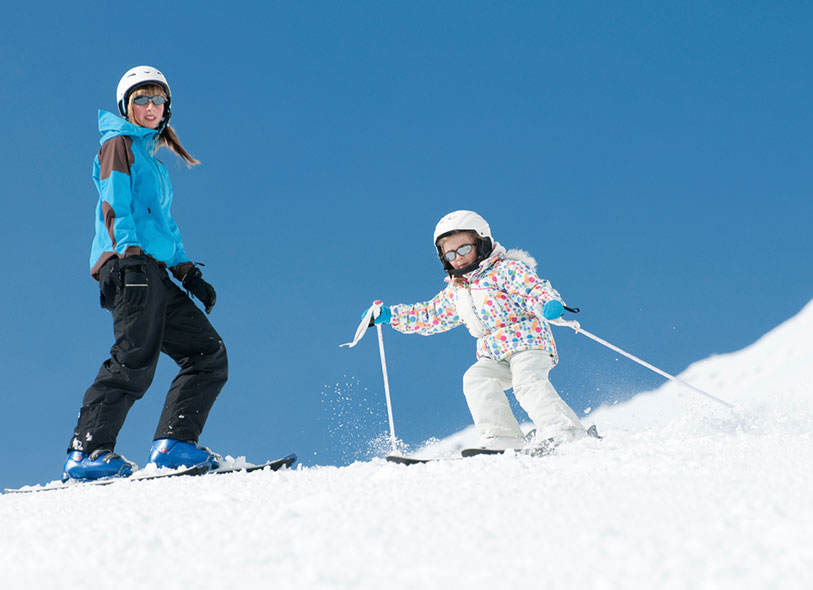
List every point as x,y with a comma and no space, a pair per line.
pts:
139,76
463,220
459,221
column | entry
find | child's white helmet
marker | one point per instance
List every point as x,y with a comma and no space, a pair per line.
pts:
460,221
139,76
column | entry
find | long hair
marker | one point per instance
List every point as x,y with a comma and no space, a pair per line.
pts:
167,137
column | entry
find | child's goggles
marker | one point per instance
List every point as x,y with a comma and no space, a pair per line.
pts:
461,251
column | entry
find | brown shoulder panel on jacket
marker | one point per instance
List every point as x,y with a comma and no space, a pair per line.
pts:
115,154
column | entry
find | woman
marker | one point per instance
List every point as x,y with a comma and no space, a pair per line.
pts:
497,295
137,242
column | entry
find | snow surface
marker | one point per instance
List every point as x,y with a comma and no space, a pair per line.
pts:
681,493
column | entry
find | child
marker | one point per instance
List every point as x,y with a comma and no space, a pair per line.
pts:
497,295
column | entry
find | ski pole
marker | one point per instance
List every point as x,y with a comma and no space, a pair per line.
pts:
386,387
373,312
579,330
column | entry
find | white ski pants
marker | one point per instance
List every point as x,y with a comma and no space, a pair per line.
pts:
486,381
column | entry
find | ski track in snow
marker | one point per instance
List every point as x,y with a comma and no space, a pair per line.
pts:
681,493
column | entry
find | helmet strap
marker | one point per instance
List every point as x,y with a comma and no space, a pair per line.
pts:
459,272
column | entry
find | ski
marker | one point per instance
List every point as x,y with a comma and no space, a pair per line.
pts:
58,485
478,451
541,449
274,465
408,460
531,452
466,453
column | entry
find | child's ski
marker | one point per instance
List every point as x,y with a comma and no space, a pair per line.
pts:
540,448
532,452
474,452
408,460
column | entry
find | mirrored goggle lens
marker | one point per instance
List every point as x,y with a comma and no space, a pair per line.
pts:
461,251
143,99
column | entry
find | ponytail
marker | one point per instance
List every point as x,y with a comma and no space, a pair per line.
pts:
170,139
167,137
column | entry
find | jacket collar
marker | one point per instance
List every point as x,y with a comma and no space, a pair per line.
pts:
111,125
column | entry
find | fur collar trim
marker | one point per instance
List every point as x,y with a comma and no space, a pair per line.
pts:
521,256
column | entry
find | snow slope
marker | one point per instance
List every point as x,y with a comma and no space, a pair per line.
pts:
681,493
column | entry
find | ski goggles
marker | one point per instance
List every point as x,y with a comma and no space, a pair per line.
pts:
157,100
461,251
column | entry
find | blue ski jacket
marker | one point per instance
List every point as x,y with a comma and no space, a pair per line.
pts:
133,214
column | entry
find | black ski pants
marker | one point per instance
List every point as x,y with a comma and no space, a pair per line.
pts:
168,322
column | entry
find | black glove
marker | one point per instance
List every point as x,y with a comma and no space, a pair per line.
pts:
134,282
193,282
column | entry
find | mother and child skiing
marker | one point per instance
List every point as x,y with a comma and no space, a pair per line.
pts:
495,293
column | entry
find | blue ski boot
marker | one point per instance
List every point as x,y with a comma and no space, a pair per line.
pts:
171,453
100,464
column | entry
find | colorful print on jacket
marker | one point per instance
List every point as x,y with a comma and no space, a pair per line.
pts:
135,196
496,303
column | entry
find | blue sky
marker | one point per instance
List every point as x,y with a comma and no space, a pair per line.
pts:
654,159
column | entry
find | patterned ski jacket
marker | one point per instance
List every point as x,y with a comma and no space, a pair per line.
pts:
135,196
496,303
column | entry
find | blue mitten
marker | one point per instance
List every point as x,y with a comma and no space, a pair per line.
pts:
553,310
384,316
